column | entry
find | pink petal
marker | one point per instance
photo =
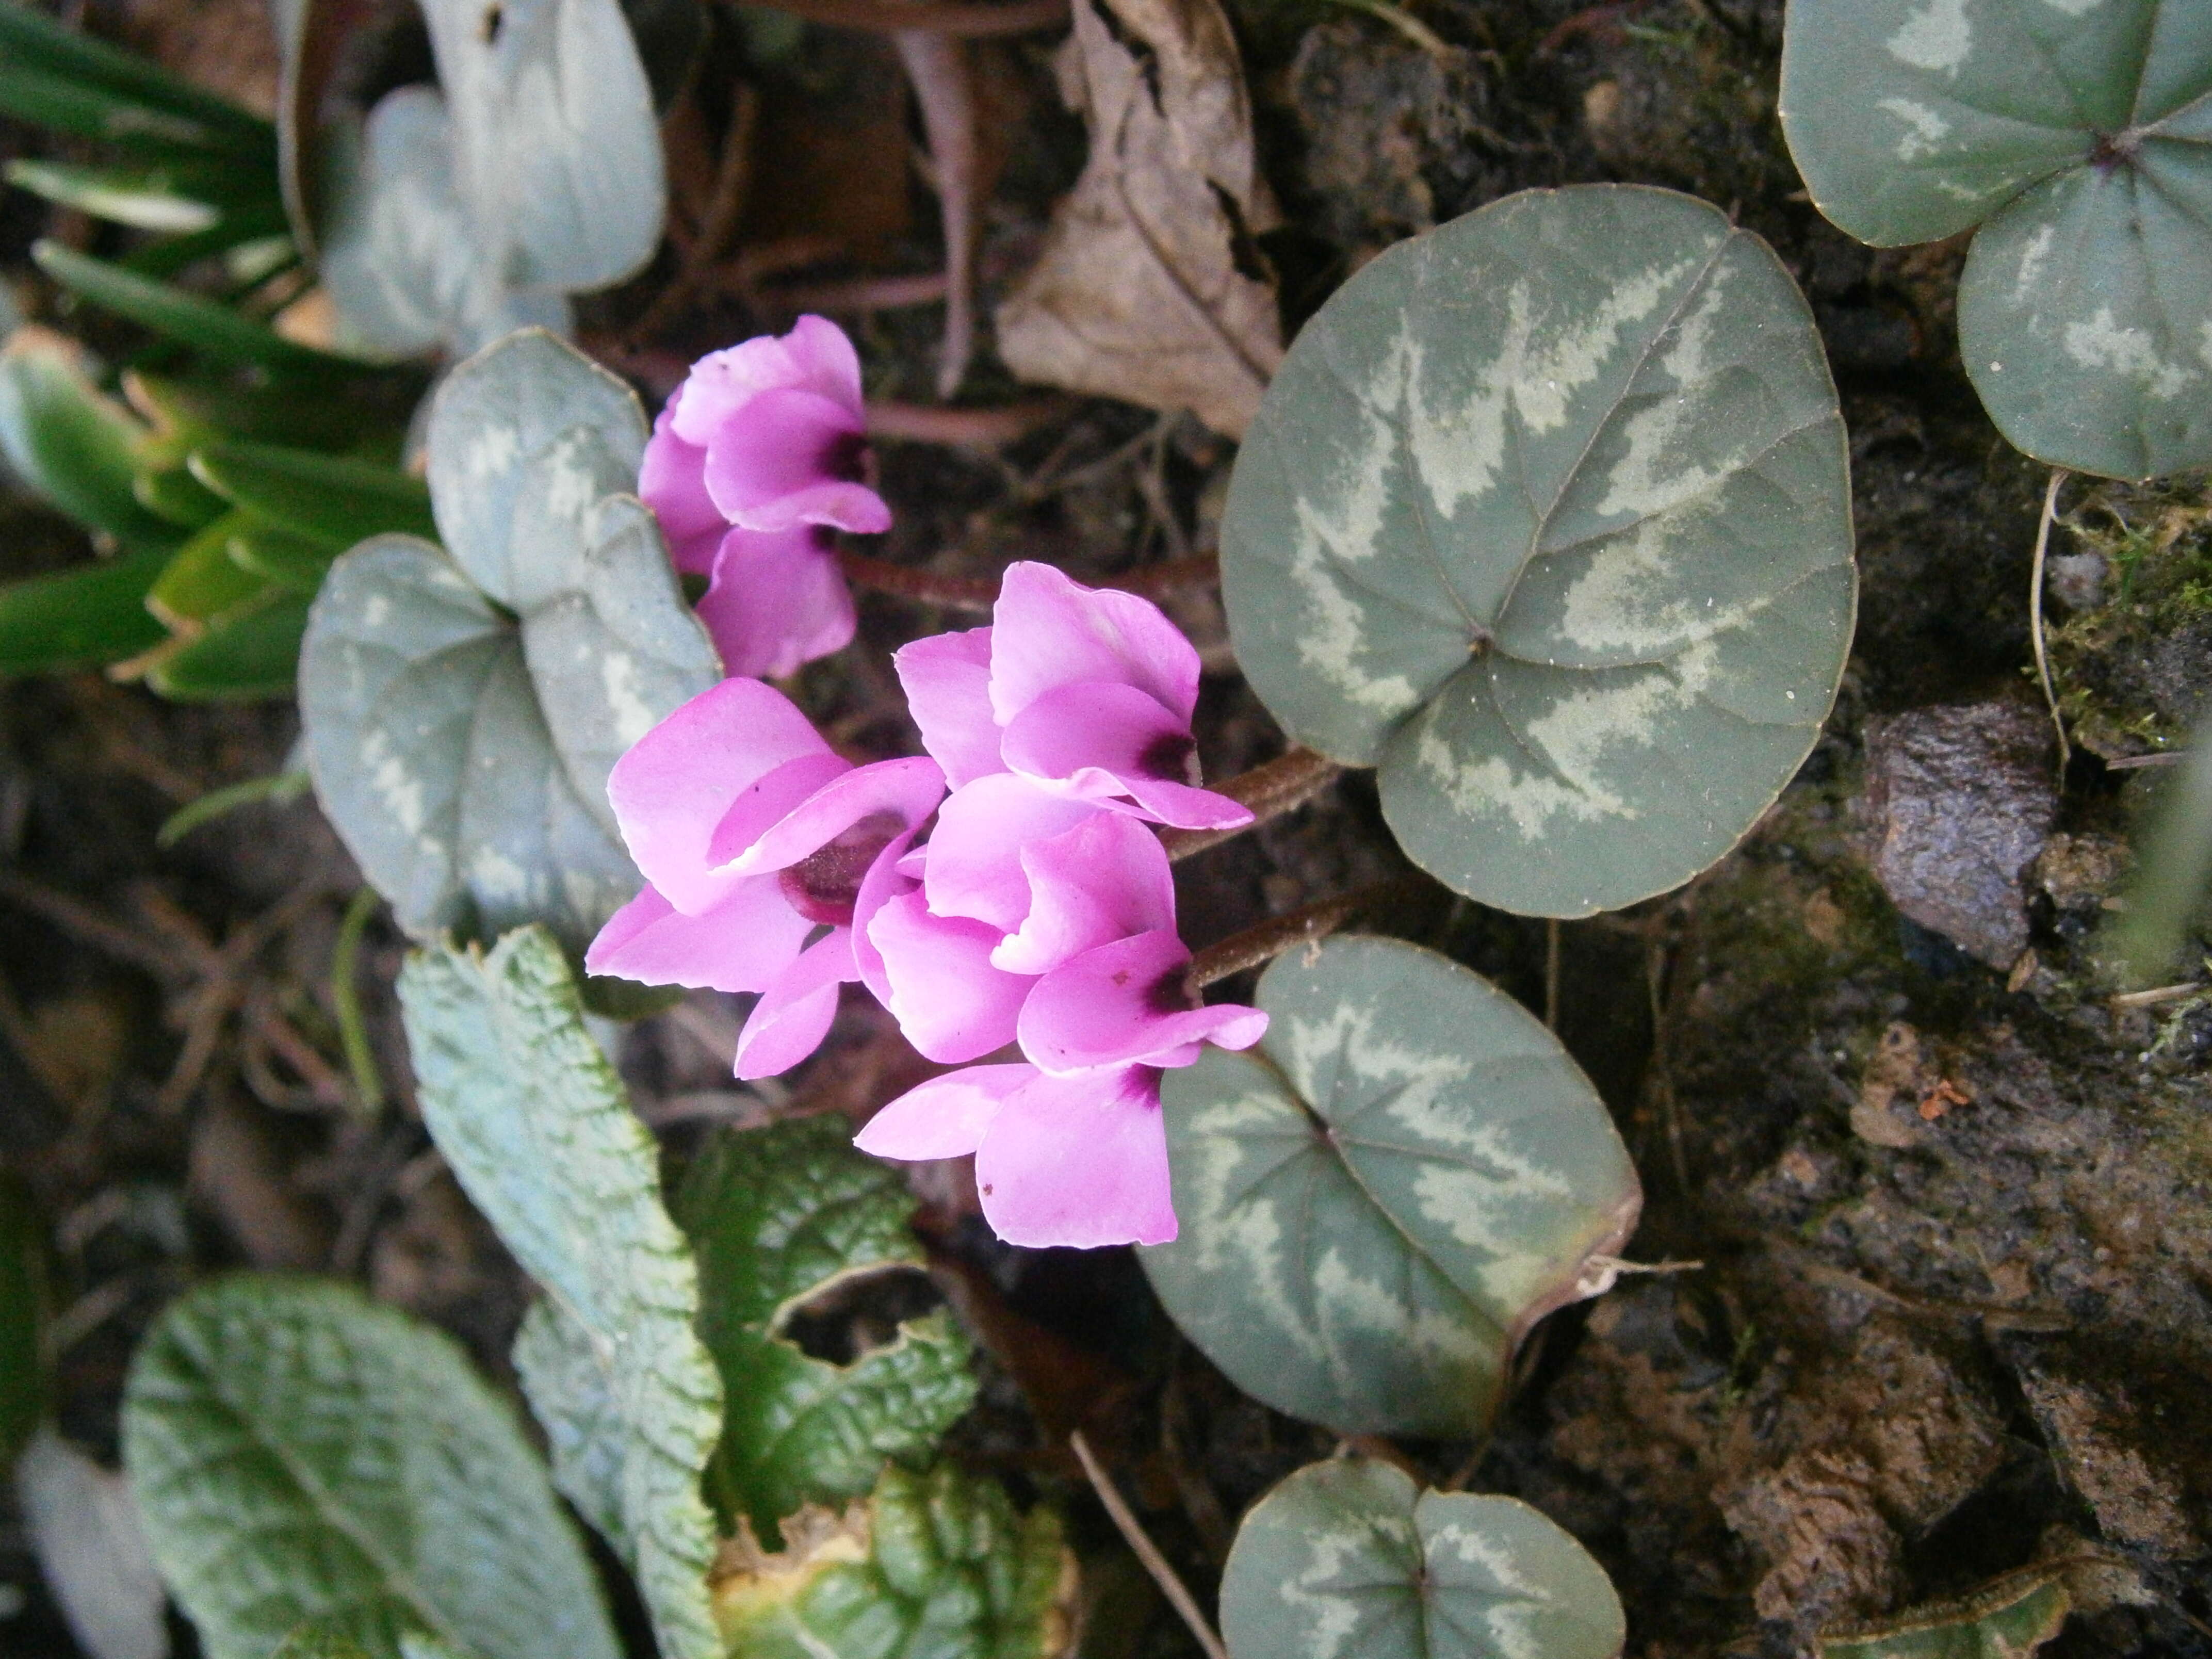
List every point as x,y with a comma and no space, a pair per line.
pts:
1114,742
886,880
1048,631
794,1014
1104,879
975,863
672,482
740,945
1079,1161
944,1117
1124,1004
791,458
815,356
947,678
777,601
677,782
902,792
948,999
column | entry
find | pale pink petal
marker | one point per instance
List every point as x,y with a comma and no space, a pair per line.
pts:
944,1117
794,1014
677,782
815,356
975,863
1124,1004
770,800
672,482
1079,1161
895,794
947,677
793,458
740,945
777,599
1104,879
948,999
1115,743
1049,631
887,880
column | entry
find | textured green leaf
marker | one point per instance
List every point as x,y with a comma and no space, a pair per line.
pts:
252,652
1548,513
334,1638
1350,1559
536,1126
2009,1619
80,450
327,498
461,721
23,1312
81,617
779,1217
1379,1202
2078,135
298,1450
937,1566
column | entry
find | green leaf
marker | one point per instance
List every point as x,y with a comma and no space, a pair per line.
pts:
334,1638
936,1565
278,556
298,1450
1547,513
251,654
171,493
221,334
203,581
80,450
2009,1619
460,722
369,418
1349,1557
1379,1202
34,45
330,499
2078,135
23,1312
535,1125
145,198
780,1217
82,618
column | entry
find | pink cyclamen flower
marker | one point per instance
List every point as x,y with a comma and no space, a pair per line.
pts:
1087,693
752,836
756,459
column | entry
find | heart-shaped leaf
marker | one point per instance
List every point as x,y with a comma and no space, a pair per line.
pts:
537,1127
1548,514
779,1217
1379,1202
298,1450
462,713
2078,135
936,1565
1349,1557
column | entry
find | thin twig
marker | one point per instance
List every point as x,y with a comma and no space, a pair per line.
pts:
1133,1532
2161,757
862,294
937,66
965,428
2035,617
1551,974
1270,790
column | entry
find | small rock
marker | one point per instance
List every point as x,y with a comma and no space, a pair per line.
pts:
1960,799
2076,580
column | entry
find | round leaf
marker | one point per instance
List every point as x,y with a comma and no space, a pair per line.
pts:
1380,1199
1548,514
2078,135
1347,1558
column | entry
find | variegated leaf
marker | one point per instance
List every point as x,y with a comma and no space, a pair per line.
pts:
1348,1559
1379,1202
1548,513
2078,135
2008,1619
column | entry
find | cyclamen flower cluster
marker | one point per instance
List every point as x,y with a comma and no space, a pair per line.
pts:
1040,912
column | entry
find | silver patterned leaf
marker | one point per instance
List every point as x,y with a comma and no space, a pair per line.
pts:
2077,134
1548,514
1350,1559
1379,1202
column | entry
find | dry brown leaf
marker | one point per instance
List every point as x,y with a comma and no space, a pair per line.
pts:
1150,288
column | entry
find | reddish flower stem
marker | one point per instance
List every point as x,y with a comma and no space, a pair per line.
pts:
1270,790
981,593
1307,924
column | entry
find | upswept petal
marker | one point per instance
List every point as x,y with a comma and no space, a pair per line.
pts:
947,677
792,457
974,862
672,789
944,1117
740,945
672,482
794,1012
815,356
1050,631
884,882
1124,1004
906,790
1105,880
1079,1161
777,599
948,999
1116,745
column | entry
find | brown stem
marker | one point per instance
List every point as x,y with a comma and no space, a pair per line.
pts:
1270,790
965,428
970,19
937,66
1307,924
979,593
1133,1533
